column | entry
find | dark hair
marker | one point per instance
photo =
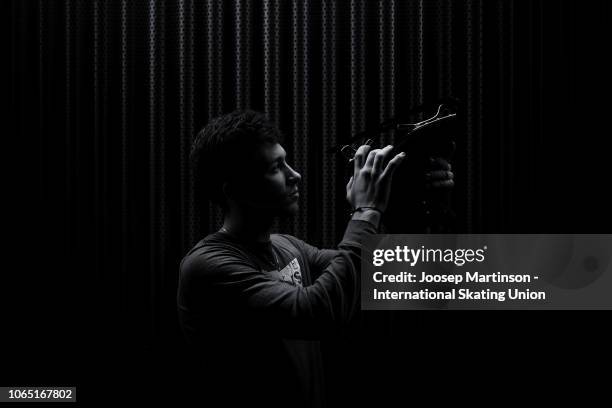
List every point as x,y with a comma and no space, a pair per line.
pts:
224,146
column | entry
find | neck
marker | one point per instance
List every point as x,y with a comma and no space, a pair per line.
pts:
251,226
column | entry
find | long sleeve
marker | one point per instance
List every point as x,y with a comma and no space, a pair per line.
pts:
247,298
317,259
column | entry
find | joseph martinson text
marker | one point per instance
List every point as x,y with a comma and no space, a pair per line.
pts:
417,281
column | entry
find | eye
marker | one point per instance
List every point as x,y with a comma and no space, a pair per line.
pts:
277,166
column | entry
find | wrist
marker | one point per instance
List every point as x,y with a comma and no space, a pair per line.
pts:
369,214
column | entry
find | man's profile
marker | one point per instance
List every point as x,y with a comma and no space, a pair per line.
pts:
252,304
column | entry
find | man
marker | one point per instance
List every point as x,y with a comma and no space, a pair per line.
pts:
252,304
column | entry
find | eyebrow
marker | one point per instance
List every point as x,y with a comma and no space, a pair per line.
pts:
279,159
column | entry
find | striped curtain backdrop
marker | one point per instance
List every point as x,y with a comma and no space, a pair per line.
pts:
110,94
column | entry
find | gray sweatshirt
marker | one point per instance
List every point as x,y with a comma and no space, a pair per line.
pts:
254,312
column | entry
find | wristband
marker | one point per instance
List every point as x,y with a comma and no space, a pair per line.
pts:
365,208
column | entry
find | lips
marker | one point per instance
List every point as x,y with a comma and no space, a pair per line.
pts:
294,194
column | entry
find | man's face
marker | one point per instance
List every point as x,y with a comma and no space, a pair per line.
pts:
272,185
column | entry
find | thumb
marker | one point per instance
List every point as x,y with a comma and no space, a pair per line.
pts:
349,185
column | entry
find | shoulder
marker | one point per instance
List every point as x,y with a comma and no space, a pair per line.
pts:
210,256
298,244
294,246
288,242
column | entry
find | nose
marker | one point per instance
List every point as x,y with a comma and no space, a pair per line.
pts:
294,177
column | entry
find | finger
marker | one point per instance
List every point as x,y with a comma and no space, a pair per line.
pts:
438,175
439,163
443,184
370,160
392,166
360,157
381,159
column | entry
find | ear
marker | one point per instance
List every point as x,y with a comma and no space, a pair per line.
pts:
231,191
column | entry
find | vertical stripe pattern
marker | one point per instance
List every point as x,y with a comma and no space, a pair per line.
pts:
122,87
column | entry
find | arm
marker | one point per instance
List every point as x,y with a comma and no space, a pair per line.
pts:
319,259
249,300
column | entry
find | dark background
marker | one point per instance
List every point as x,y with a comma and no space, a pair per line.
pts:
106,97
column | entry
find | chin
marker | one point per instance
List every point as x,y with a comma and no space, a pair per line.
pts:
290,210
